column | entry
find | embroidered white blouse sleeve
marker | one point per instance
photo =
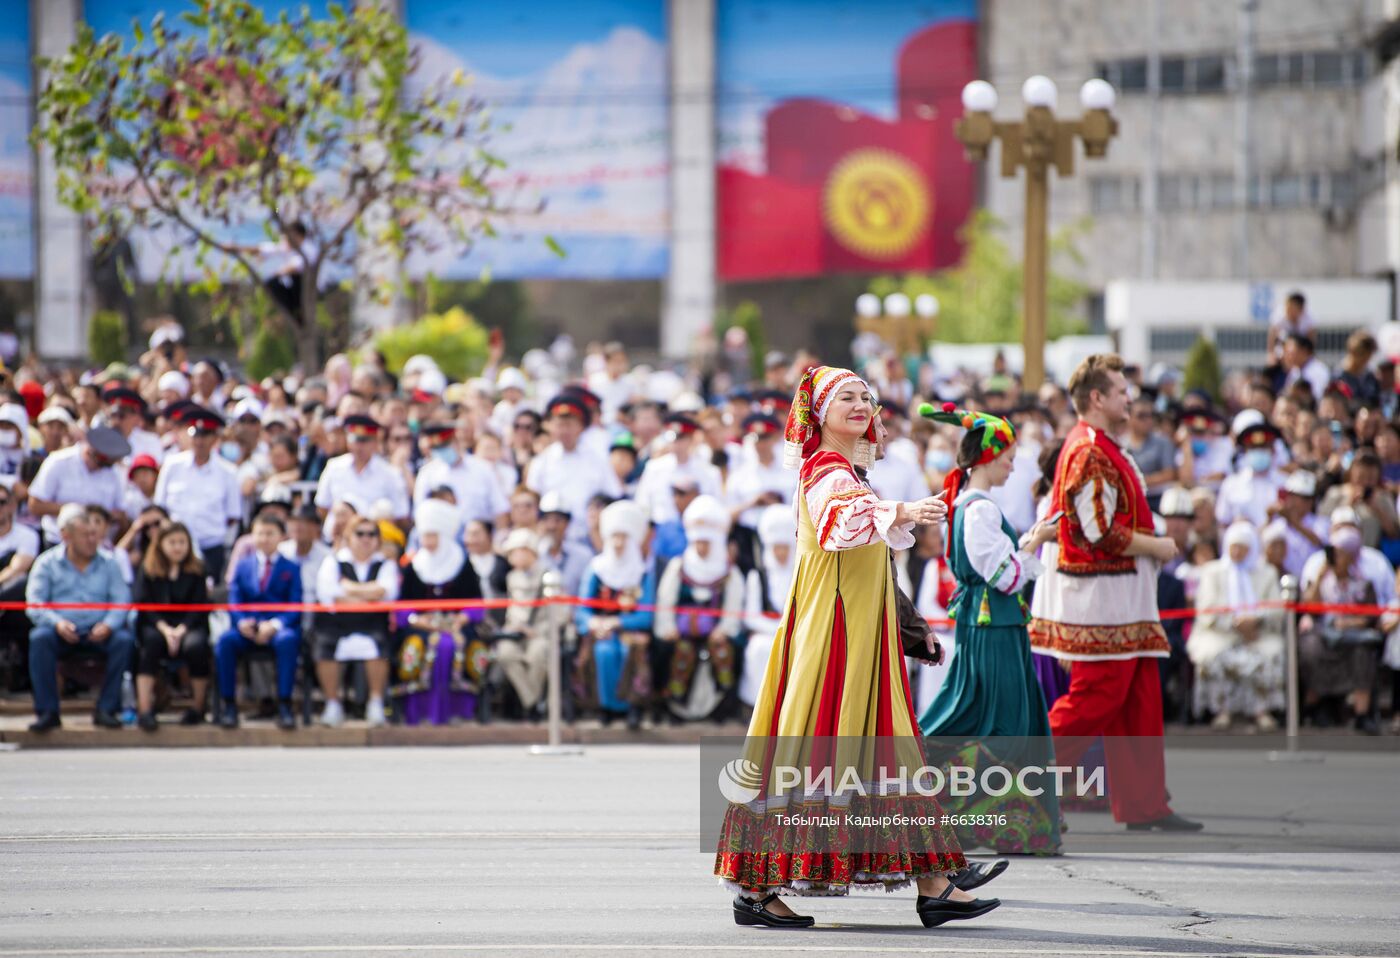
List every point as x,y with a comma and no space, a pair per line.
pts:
848,514
1095,504
991,551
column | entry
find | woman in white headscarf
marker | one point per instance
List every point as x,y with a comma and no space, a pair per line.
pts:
1238,653
612,670
699,604
434,644
765,593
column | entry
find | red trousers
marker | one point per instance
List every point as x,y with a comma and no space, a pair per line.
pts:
1122,701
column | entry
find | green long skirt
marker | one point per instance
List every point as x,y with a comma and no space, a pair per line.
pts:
991,711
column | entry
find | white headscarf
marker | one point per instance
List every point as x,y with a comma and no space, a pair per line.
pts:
776,526
1239,591
706,520
622,570
443,563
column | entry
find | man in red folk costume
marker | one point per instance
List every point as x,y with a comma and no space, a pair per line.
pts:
1098,612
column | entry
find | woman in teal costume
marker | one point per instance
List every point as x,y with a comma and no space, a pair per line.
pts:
990,709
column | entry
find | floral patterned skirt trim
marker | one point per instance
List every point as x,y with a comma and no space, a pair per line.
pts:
767,851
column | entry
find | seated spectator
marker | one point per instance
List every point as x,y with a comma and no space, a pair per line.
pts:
559,551
1238,655
432,686
1339,651
102,524
521,649
265,576
305,548
491,567
171,574
1372,503
702,578
355,574
613,665
75,572
19,545
766,591
1293,515
141,478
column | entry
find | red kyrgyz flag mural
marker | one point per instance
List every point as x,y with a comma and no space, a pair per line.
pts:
844,190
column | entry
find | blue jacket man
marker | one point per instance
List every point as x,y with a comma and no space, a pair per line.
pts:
265,576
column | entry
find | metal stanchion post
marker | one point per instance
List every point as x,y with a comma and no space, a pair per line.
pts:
552,588
1291,692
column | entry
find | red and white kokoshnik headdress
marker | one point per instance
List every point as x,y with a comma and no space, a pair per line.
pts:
808,412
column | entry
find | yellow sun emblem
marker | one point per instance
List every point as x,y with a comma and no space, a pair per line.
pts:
875,203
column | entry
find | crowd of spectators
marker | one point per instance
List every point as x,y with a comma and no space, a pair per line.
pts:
656,495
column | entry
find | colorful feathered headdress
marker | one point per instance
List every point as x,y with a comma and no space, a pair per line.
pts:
997,435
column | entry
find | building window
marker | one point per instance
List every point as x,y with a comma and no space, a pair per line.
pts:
1219,73
1113,194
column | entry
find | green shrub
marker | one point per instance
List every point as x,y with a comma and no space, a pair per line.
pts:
453,339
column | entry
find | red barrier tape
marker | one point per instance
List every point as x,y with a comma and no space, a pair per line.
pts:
461,605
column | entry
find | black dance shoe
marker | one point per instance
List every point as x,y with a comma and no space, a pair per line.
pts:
146,722
977,874
754,911
1170,822
192,717
936,910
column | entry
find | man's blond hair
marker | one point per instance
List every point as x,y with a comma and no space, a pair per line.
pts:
1093,373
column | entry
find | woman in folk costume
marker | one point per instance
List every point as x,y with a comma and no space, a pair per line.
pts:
1238,655
434,643
765,591
699,605
837,670
612,669
991,690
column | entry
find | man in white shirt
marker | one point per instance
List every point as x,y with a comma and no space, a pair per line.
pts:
126,413
613,385
200,490
82,474
758,482
1249,492
362,475
1304,532
1302,364
574,474
355,574
1212,454
472,481
686,460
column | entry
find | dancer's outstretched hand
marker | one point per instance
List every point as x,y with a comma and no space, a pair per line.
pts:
927,511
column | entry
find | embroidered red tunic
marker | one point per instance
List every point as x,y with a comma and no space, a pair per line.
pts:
1095,602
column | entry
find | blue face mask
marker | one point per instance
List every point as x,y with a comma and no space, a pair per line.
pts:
1260,460
230,451
447,454
939,460
1199,447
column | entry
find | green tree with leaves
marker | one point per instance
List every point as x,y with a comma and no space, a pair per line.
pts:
230,127
107,339
980,299
1202,368
458,343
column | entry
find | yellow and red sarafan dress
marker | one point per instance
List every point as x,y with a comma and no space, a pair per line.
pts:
835,698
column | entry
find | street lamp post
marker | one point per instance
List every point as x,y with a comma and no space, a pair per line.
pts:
902,323
1036,143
